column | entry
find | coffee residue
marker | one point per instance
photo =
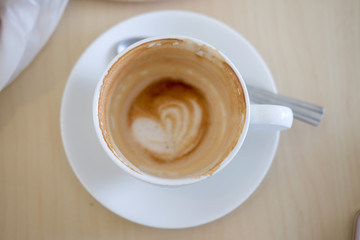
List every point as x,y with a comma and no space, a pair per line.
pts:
172,108
168,119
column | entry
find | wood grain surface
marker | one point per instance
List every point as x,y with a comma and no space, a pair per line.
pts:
312,190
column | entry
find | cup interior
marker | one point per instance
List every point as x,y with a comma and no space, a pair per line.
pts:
144,69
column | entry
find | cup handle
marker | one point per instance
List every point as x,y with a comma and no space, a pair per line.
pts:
271,116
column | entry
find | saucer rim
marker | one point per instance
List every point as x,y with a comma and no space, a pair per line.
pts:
150,14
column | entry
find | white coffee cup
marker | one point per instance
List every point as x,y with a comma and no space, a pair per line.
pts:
270,117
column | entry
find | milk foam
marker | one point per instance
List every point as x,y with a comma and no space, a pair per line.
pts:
174,133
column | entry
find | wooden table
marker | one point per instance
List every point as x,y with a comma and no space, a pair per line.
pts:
312,190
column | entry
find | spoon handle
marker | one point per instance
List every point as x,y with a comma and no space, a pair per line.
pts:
356,233
302,111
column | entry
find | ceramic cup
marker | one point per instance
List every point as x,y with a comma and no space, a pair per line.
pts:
267,117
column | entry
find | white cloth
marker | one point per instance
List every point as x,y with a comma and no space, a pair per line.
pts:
25,27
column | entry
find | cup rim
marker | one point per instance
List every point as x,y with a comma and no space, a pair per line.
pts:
145,176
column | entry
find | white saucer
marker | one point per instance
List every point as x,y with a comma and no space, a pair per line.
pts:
141,202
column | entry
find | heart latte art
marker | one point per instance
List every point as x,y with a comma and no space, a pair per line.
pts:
167,119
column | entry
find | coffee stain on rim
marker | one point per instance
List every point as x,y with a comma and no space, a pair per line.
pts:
101,120
241,92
